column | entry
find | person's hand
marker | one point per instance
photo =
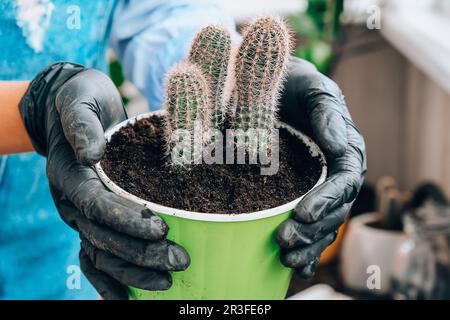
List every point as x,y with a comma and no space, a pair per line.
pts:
65,110
314,104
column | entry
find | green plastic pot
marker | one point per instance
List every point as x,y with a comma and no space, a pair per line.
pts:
233,256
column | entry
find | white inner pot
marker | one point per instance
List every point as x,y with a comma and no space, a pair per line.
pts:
313,148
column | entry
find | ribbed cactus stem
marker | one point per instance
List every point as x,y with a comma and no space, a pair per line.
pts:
260,66
187,101
211,51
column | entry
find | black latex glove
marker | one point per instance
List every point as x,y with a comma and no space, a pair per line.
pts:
65,111
314,104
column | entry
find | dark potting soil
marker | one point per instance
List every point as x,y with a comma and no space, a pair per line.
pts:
135,161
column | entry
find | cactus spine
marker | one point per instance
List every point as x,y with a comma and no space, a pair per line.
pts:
187,102
259,68
211,51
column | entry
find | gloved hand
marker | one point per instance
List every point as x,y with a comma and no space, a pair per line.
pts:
314,104
65,111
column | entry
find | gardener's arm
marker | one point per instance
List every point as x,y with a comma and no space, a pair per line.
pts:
14,136
65,110
151,36
314,104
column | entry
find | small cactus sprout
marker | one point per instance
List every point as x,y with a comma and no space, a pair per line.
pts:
259,68
210,50
188,110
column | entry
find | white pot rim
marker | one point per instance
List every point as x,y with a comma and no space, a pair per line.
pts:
363,221
314,149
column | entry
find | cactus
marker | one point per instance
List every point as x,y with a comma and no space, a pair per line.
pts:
259,68
187,103
210,50
196,89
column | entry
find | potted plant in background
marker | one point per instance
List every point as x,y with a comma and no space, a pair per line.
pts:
225,215
404,244
316,32
373,239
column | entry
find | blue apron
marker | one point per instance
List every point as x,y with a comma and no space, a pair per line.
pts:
38,251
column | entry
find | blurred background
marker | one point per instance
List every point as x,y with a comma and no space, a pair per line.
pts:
391,60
